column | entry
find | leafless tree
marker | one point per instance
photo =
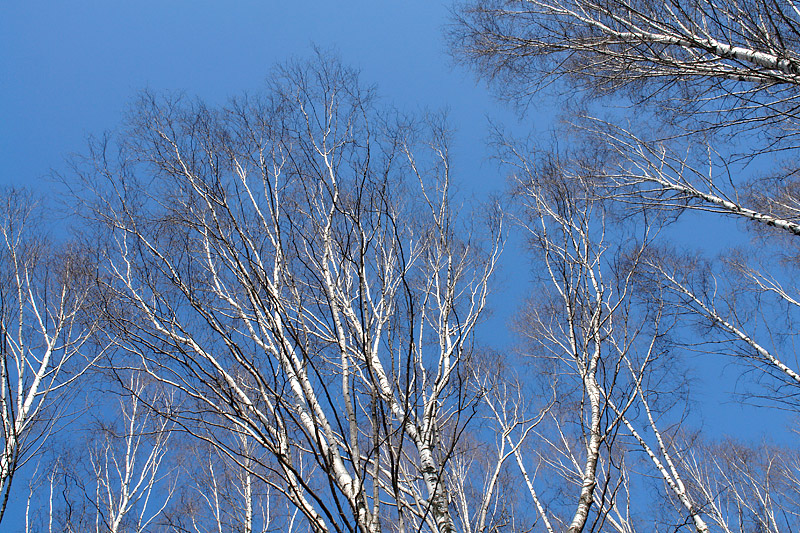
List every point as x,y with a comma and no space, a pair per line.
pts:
700,67
736,63
703,118
114,469
44,290
132,484
744,487
295,266
604,349
224,496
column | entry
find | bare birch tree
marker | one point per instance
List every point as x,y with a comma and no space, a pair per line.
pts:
294,265
744,487
224,496
112,470
721,64
131,480
703,118
44,331
611,376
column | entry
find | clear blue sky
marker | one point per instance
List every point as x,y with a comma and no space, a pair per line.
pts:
68,70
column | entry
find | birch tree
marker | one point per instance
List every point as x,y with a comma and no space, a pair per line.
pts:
114,469
132,481
224,496
683,107
612,379
744,487
44,332
295,266
717,64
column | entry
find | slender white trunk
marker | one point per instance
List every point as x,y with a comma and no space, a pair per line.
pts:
248,497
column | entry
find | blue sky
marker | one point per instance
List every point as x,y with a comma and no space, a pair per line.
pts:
69,69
